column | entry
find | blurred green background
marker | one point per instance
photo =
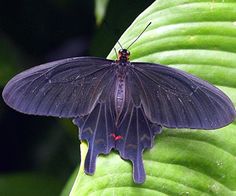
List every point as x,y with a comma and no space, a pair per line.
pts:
38,154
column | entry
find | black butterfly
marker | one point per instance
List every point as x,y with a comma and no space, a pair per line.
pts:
119,104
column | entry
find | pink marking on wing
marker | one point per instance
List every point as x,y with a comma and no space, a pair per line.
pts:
116,137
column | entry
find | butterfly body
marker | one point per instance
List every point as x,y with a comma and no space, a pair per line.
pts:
120,94
121,66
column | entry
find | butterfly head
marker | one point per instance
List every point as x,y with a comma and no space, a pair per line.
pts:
123,55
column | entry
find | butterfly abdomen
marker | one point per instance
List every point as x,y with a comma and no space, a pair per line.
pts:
120,94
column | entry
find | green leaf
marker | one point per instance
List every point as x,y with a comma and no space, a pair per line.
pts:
100,10
29,184
198,36
67,189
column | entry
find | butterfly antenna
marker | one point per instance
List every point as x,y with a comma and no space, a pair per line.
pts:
116,53
140,34
120,45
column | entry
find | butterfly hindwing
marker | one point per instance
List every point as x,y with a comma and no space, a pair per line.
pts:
129,133
137,133
97,129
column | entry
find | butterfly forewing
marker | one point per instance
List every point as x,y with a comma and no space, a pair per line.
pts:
65,88
176,99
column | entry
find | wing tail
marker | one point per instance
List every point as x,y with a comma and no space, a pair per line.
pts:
96,128
137,133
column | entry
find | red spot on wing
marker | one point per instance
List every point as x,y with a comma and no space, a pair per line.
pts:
116,137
